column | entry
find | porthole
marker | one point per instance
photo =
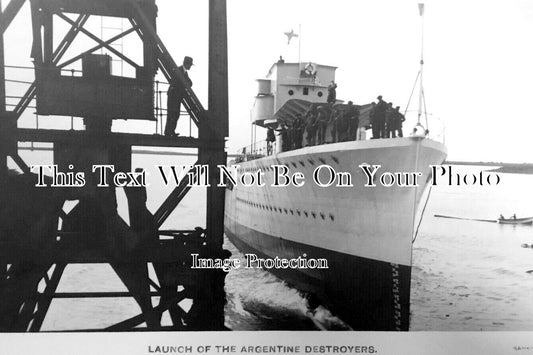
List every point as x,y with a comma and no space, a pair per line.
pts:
320,94
291,92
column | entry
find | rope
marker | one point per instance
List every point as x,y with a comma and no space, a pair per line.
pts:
425,108
422,215
411,96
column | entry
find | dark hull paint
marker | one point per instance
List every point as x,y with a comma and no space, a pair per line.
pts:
367,294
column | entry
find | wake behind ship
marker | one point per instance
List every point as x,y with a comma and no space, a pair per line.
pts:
364,233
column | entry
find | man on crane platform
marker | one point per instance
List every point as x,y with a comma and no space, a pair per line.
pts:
175,96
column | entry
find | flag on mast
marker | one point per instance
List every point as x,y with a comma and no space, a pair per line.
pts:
421,8
290,35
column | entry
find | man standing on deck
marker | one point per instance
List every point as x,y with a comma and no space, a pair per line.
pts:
352,116
334,120
297,128
399,118
389,121
322,124
283,130
378,119
332,93
310,126
175,95
341,127
371,118
271,138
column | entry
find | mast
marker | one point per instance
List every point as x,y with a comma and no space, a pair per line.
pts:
421,89
419,77
421,96
299,42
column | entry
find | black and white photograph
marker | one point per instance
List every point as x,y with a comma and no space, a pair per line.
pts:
266,176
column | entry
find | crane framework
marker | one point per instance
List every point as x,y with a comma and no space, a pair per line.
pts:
39,237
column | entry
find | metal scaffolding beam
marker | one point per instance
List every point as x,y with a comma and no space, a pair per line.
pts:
92,231
10,12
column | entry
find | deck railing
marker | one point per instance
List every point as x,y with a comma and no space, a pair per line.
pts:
257,150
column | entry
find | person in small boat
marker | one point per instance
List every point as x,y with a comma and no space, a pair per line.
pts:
514,216
501,216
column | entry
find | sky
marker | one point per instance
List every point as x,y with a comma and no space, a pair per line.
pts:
477,74
478,57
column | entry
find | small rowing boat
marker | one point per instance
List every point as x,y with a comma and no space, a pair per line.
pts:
514,220
501,219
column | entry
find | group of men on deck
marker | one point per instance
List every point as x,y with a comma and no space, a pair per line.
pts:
343,120
385,120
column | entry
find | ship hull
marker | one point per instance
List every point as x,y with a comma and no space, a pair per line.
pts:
367,294
364,233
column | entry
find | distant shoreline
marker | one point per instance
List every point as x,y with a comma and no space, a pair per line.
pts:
510,168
